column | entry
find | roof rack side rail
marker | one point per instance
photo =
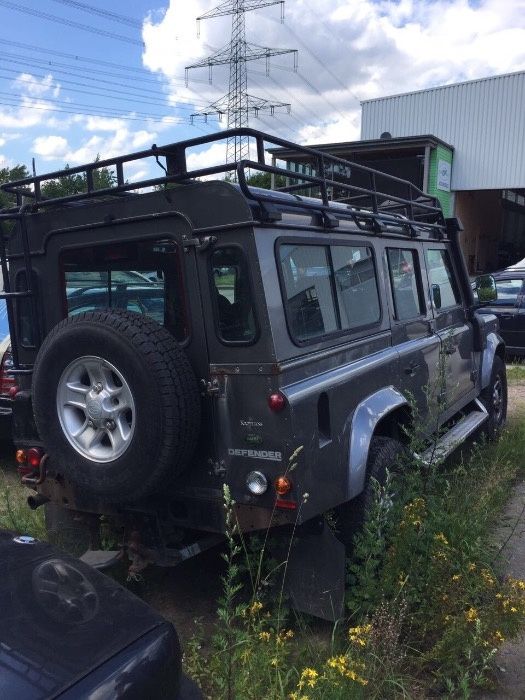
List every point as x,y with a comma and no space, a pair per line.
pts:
176,170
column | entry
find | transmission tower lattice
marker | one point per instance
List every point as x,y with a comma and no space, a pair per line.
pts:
238,104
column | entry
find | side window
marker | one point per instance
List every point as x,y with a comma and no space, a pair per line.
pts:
404,280
309,298
139,277
508,292
441,278
232,293
356,286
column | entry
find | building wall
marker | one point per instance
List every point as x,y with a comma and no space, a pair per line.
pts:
481,119
481,214
445,198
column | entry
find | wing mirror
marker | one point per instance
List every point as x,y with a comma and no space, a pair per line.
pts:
485,289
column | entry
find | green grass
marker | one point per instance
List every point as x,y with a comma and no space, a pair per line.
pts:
515,372
15,514
428,602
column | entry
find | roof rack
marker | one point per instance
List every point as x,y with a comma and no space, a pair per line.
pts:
373,194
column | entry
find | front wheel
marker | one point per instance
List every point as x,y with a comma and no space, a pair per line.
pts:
494,398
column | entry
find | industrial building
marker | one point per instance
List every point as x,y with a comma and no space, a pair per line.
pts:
465,144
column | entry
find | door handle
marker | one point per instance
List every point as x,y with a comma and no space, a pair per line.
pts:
411,368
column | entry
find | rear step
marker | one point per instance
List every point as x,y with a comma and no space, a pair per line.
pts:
448,442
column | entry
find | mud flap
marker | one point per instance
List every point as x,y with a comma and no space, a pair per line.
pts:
315,575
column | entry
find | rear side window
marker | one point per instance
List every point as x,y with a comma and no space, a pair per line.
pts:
328,289
441,277
140,277
404,280
508,292
309,299
232,296
356,286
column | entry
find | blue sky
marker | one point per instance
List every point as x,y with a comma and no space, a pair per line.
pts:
348,51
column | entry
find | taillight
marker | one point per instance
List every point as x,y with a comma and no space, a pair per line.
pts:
283,485
7,380
277,401
34,457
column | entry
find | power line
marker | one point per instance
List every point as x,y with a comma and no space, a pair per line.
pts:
57,66
70,23
106,14
316,117
10,100
116,94
62,54
132,96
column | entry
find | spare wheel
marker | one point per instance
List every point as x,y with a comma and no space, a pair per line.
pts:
116,403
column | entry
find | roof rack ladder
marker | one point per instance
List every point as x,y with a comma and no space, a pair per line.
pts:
9,295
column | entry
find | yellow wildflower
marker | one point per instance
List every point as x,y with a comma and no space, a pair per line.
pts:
440,537
456,577
471,615
498,636
264,636
255,607
471,567
309,677
487,577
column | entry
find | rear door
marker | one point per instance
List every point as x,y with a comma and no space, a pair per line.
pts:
413,331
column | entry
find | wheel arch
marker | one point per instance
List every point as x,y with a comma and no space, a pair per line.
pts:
495,346
383,413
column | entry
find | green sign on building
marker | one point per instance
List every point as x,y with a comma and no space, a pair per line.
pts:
439,177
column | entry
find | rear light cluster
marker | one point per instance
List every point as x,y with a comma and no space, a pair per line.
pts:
29,460
257,484
7,380
256,481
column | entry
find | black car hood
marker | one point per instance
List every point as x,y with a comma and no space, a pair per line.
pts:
59,619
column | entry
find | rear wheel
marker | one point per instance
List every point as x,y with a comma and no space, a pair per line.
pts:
384,457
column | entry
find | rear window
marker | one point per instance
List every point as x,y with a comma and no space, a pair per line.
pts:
140,277
232,296
328,289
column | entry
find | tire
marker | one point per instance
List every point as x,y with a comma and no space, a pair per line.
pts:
116,404
494,398
383,455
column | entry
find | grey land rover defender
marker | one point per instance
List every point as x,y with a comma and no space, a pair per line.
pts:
174,335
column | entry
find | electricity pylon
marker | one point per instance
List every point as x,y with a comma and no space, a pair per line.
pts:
238,104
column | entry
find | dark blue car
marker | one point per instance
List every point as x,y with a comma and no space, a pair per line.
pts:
68,631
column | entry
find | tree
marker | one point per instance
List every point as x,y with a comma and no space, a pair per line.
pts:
18,172
76,183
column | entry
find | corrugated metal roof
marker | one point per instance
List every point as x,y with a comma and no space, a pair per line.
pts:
484,120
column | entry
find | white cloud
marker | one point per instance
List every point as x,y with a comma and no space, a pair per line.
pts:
50,147
33,109
354,51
